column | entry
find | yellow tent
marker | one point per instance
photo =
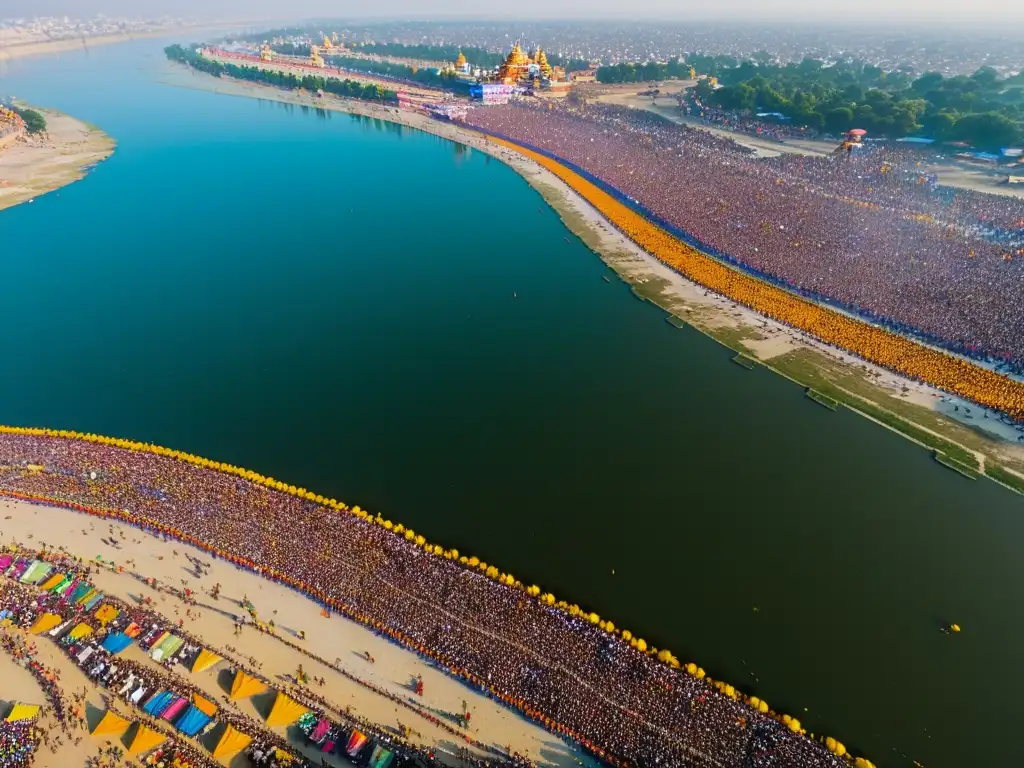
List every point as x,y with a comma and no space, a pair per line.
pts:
204,660
145,739
245,686
231,741
285,711
204,705
106,614
112,724
45,623
82,630
23,712
52,582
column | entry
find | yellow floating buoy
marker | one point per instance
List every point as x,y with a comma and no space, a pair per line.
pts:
954,627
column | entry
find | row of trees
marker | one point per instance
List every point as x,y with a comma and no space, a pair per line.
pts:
34,121
982,109
346,88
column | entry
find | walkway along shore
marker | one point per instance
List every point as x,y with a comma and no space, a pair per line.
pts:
588,680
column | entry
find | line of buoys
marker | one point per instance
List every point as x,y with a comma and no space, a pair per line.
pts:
470,562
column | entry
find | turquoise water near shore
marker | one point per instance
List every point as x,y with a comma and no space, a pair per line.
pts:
329,300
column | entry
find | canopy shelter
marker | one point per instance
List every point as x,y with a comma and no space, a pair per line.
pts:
52,582
45,623
116,642
106,614
285,710
245,686
36,572
167,648
204,705
112,724
158,702
175,708
80,631
22,712
204,660
381,757
193,721
92,600
146,738
231,741
356,742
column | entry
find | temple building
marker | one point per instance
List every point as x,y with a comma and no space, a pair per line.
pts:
516,66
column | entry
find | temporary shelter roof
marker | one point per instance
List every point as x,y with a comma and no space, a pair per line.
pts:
205,660
22,712
285,710
145,739
245,685
112,723
231,741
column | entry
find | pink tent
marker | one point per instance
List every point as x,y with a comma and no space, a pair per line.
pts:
174,710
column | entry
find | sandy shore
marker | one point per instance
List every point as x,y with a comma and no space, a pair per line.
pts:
34,165
334,638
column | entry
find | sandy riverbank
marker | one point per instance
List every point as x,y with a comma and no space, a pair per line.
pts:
793,354
34,165
332,638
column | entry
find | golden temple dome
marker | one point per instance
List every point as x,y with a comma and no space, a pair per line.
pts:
461,61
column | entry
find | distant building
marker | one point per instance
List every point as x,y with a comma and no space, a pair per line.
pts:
492,93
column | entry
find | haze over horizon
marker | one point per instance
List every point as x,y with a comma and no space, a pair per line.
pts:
981,13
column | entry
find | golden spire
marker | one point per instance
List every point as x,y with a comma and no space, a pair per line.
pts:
461,61
542,62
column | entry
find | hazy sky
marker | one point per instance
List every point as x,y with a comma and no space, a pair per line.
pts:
992,13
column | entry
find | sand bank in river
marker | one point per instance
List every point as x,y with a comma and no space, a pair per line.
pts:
34,165
335,639
786,350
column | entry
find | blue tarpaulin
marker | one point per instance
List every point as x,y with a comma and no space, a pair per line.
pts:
160,701
117,642
192,722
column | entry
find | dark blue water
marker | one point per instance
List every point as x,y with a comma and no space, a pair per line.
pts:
330,301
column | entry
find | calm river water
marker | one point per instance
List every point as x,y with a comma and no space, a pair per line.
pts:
330,301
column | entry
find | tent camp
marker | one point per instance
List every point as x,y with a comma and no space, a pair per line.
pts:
112,724
193,721
231,741
175,708
245,685
285,710
145,739
22,712
52,582
45,623
158,703
204,660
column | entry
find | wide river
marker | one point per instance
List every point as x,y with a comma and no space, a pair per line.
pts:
386,318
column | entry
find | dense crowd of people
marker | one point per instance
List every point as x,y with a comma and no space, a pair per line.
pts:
560,670
869,232
18,742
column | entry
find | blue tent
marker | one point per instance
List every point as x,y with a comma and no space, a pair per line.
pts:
117,642
159,702
193,721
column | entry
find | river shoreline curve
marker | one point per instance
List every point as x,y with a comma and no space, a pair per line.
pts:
921,413
35,165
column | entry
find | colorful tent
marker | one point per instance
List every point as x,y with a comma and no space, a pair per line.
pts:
204,705
82,630
5,561
133,631
106,614
117,642
381,758
35,572
320,730
112,724
64,584
355,743
245,686
231,741
167,648
84,599
52,582
156,643
204,660
285,710
174,709
158,702
193,721
81,590
22,712
145,739
45,623
91,601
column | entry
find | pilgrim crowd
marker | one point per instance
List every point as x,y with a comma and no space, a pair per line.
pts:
870,232
558,669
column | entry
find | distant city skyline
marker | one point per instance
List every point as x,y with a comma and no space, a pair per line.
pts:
980,13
